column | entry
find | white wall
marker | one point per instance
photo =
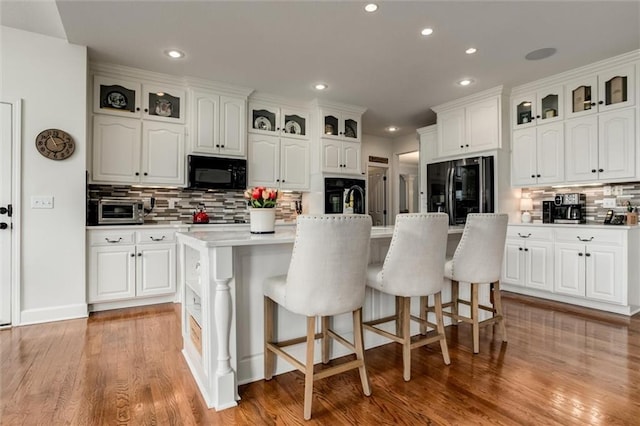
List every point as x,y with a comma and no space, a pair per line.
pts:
50,75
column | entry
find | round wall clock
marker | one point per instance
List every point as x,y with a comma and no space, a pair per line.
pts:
55,144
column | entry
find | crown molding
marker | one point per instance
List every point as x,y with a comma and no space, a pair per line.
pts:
495,91
320,103
279,100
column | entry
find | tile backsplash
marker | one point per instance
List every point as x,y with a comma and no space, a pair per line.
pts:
622,192
178,204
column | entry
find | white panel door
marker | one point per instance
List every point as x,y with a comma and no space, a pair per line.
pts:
206,125
604,267
617,142
162,153
539,265
294,157
569,269
116,149
351,157
523,157
451,138
233,133
513,264
581,148
264,160
112,273
482,127
550,153
6,156
331,156
156,273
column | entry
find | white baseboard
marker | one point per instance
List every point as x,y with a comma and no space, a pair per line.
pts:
57,313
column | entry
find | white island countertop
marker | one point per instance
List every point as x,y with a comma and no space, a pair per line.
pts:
283,235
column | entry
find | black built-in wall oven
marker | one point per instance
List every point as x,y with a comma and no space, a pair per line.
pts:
344,195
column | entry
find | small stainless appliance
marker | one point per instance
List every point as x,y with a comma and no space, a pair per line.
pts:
216,172
565,208
115,211
460,187
344,195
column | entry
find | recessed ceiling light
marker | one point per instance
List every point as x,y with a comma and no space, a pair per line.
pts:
471,51
320,86
371,7
540,53
174,54
465,82
393,129
426,31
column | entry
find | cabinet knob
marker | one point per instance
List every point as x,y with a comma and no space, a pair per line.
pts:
593,104
137,174
277,180
601,170
146,174
587,254
600,102
139,254
461,146
533,176
520,248
526,249
137,109
221,146
580,254
133,255
593,170
467,145
538,175
537,116
217,145
146,110
282,180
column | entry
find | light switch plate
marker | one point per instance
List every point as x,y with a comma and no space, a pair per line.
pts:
42,201
609,202
606,190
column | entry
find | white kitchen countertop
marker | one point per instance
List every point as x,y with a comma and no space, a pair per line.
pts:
589,225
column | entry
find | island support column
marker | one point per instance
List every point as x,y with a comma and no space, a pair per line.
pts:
225,381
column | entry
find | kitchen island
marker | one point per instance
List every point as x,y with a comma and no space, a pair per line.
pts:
221,275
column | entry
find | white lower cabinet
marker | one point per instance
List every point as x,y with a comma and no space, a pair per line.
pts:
592,266
528,258
127,265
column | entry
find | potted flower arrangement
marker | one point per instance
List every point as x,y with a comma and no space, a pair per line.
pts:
262,213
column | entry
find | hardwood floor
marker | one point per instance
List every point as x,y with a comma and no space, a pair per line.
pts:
561,366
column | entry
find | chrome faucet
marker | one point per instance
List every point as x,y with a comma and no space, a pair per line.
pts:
348,196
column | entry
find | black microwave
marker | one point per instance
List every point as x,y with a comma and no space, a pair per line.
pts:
216,172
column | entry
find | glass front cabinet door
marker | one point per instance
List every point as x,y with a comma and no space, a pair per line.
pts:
540,107
341,125
116,96
605,91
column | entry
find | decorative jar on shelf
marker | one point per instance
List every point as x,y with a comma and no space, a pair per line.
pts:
262,209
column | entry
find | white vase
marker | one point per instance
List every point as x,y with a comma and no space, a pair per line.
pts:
262,221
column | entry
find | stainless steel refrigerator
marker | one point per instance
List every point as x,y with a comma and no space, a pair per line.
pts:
460,187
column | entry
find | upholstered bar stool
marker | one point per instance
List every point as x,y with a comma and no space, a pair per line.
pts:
478,261
413,266
326,277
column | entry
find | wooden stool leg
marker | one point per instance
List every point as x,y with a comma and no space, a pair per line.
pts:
440,328
424,305
308,370
474,318
497,304
326,340
406,338
269,357
359,346
454,299
398,315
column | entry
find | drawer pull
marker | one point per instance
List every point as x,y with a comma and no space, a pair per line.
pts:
157,239
585,240
524,236
113,241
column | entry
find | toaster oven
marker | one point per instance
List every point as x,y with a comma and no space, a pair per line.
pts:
115,211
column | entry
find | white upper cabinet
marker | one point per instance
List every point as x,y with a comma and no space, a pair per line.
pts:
344,125
601,147
604,91
537,107
218,126
537,156
129,98
342,157
272,119
470,125
279,162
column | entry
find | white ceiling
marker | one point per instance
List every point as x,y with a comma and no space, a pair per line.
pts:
375,60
